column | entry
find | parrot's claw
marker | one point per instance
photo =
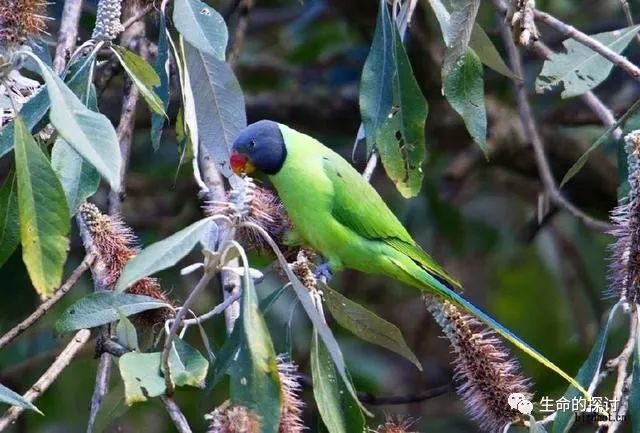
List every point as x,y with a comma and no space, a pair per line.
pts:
323,272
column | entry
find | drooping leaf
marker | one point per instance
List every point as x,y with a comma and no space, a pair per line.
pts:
9,222
162,254
111,408
487,52
80,180
89,133
587,373
44,214
142,75
126,332
219,104
392,107
255,382
577,166
581,69
366,324
141,375
464,89
202,26
634,396
100,308
339,412
14,399
460,28
162,90
187,365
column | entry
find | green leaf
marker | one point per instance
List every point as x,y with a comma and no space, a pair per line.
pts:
226,355
100,308
255,382
44,215
80,180
126,332
143,76
141,375
634,396
202,26
587,373
464,89
89,133
187,365
459,30
31,113
581,69
162,254
577,166
219,104
111,408
392,107
487,52
339,411
14,399
366,324
162,90
9,222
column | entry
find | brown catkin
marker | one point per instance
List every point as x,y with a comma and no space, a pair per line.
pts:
485,372
21,20
624,264
292,404
228,418
396,424
115,245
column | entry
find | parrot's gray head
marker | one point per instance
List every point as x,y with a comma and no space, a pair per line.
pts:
259,147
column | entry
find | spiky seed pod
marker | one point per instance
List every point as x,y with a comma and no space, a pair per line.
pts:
108,25
251,203
396,424
302,269
21,20
115,244
485,372
292,404
624,265
228,418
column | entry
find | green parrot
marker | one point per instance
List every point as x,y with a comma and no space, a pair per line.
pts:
339,214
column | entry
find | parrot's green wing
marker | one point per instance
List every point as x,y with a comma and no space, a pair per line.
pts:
358,206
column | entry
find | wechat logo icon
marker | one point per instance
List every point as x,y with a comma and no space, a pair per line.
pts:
518,401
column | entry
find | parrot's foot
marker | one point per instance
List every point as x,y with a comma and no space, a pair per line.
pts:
323,272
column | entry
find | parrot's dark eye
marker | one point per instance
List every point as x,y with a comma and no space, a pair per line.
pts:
252,144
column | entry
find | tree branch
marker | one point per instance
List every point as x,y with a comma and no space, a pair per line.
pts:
176,414
532,134
381,400
46,305
67,34
61,362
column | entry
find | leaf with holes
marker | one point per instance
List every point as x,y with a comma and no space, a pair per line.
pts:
187,365
143,76
100,308
366,324
219,104
393,108
581,69
141,375
44,214
202,26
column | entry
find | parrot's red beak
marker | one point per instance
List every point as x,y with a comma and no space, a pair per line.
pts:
240,164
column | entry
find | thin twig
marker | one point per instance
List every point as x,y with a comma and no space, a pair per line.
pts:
67,34
103,372
61,362
218,309
176,414
240,32
46,305
628,16
381,400
137,16
532,134
589,42
177,322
